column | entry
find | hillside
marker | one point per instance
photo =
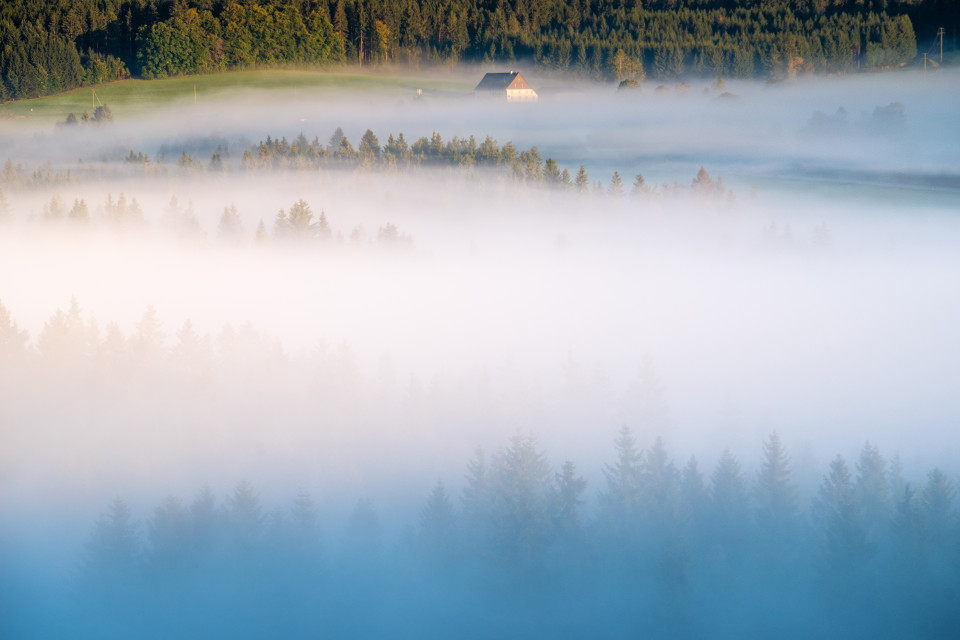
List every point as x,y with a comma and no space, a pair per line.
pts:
50,47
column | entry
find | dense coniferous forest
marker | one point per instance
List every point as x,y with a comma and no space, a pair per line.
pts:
866,553
47,47
517,543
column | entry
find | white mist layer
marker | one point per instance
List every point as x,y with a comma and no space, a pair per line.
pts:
515,307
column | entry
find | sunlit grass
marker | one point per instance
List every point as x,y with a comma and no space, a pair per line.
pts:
132,97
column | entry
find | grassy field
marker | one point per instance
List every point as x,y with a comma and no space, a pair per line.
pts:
131,97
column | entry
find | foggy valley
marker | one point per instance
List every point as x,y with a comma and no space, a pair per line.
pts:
674,363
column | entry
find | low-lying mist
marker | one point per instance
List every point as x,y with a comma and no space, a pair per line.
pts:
292,341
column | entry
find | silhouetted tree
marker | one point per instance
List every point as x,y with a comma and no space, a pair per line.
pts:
566,499
616,185
438,527
873,492
582,181
939,516
622,501
169,538
776,494
244,518
729,503
13,341
230,227
113,550
838,517
520,489
660,486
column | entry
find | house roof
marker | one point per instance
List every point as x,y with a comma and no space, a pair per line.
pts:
502,81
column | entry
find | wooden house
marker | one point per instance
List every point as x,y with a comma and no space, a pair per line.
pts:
508,86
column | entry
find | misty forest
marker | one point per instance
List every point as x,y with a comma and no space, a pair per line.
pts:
301,336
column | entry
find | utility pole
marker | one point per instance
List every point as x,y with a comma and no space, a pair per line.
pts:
924,66
940,33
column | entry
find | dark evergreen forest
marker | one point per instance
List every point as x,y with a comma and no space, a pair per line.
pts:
48,47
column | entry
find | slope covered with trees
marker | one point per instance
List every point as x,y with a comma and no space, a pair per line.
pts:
51,47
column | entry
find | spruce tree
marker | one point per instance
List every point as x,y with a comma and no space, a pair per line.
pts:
169,537
616,185
776,494
582,181
838,518
729,502
567,497
520,478
873,491
937,501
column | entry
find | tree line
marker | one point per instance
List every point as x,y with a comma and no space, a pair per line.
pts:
56,46
297,224
660,536
300,224
465,154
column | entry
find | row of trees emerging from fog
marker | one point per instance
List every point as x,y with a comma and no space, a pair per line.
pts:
657,533
56,46
496,161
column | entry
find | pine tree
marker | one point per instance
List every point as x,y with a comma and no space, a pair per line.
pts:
730,501
616,185
873,491
694,497
369,147
244,517
113,551
582,181
660,485
909,529
205,521
148,340
703,183
937,501
621,504
475,500
230,228
13,341
551,172
775,493
567,497
520,478
169,537
261,237
299,222
79,212
838,517
438,523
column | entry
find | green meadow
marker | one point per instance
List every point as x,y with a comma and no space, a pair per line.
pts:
132,97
